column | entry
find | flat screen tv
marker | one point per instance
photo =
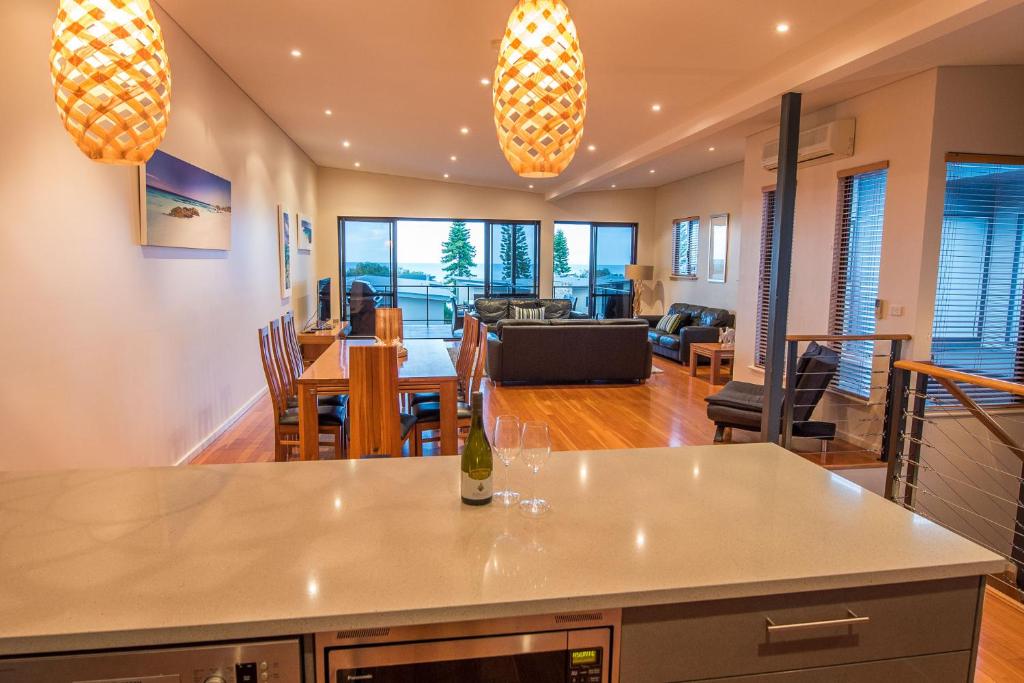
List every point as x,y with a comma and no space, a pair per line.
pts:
323,306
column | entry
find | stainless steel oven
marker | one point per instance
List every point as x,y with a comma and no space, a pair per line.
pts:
277,661
561,648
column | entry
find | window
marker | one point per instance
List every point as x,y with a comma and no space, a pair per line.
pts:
513,258
685,238
977,323
589,266
856,259
764,276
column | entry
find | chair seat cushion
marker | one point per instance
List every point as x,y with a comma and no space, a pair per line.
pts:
431,397
336,400
407,423
739,395
431,412
328,415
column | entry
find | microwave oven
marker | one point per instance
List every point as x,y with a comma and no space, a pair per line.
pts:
559,648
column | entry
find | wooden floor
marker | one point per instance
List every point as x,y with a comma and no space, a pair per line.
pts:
668,410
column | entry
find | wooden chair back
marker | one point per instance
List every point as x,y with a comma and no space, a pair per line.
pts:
389,324
270,372
291,342
374,425
467,350
481,361
281,359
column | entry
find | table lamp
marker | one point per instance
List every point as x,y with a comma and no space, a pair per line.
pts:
638,274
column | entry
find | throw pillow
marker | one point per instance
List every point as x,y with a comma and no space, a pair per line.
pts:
669,323
520,313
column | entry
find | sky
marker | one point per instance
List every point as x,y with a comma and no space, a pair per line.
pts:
169,173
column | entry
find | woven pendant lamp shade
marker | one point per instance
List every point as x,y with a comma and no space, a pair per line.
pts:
111,78
540,89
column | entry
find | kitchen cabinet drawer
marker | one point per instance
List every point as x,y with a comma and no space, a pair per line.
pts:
717,639
952,667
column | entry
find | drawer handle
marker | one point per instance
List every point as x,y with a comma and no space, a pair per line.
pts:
850,620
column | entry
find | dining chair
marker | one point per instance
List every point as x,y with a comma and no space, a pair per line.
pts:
376,426
331,419
291,369
291,339
471,336
428,413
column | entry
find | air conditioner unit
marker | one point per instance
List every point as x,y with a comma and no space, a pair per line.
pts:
821,143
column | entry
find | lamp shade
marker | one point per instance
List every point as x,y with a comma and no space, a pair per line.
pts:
111,78
540,89
635,272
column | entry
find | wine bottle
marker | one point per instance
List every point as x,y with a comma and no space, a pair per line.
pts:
477,461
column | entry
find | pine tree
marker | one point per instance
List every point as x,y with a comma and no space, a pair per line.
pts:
457,253
561,255
514,246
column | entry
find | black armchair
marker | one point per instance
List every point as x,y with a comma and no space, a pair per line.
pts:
739,404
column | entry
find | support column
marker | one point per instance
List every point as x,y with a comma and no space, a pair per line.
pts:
782,258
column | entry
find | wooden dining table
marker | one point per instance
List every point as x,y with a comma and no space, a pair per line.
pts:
428,367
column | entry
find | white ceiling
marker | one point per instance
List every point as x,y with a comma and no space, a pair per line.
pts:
402,77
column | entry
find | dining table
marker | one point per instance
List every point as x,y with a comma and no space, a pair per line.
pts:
428,367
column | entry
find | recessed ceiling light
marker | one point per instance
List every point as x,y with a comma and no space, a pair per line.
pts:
296,53
531,187
328,112
464,130
782,27
454,158
445,175
614,186
711,149
485,81
655,107
357,164
651,171
346,143
592,147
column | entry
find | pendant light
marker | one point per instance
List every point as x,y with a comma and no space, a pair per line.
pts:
540,89
111,78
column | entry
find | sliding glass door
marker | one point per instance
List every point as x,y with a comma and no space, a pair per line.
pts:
513,258
589,266
367,264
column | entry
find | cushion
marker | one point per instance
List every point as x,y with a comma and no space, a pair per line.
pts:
668,342
557,308
336,400
669,323
654,336
714,317
491,310
431,411
329,415
523,313
739,395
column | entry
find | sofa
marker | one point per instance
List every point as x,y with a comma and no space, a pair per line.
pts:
566,350
493,310
700,325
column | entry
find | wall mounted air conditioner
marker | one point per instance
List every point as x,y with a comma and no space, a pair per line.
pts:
821,143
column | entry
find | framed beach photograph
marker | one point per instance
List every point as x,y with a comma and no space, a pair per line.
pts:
284,241
305,233
718,251
183,206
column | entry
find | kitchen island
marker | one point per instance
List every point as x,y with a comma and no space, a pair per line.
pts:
696,546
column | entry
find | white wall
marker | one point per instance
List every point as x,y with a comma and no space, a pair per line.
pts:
353,193
714,192
117,354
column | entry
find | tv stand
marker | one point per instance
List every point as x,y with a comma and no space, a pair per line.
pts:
315,341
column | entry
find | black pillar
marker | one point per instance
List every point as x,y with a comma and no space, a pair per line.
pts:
782,257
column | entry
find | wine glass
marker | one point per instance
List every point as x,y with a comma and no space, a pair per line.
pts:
536,450
507,443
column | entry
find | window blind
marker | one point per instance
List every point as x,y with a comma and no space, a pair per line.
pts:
977,323
764,277
685,240
856,258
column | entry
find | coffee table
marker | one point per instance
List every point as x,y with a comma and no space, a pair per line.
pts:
716,352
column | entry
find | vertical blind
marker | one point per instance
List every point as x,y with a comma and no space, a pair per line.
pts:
764,276
977,323
685,239
856,258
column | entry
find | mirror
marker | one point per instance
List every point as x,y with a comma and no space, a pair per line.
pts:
718,253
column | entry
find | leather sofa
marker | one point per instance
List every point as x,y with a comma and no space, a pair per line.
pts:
493,310
565,351
700,325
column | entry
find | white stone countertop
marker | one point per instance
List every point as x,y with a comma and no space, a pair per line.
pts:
128,557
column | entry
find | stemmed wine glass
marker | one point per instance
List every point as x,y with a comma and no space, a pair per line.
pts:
536,450
507,443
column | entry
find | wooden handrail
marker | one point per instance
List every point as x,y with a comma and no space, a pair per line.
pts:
932,370
847,337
